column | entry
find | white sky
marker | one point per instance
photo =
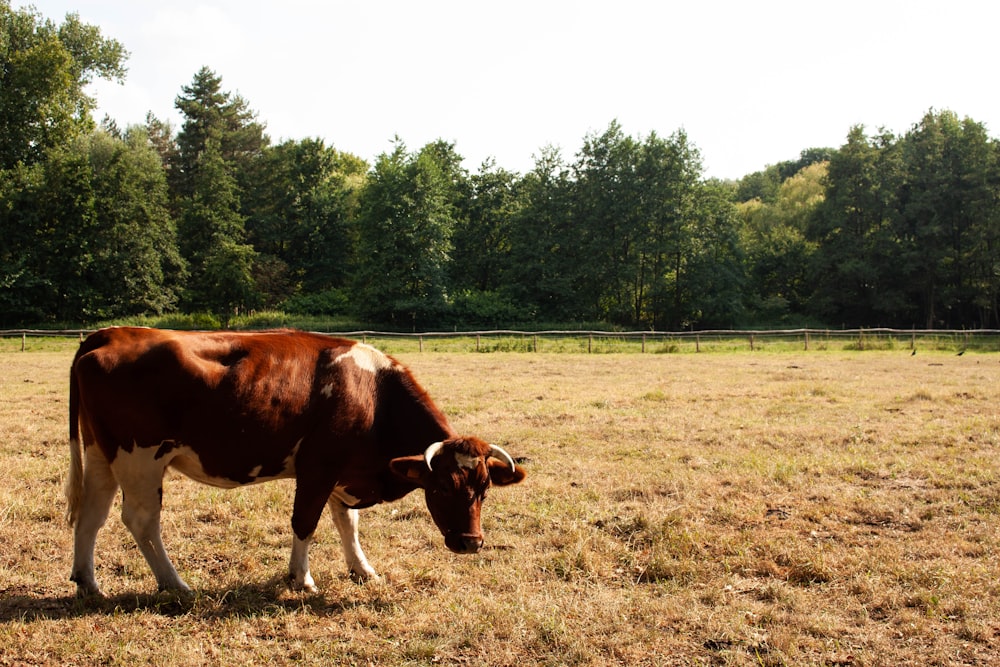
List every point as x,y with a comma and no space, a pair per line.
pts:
751,82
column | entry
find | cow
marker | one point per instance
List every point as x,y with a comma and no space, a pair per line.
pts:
350,424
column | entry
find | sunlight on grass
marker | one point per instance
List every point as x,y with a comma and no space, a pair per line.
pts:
735,508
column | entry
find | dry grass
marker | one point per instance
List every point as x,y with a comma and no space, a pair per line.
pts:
821,508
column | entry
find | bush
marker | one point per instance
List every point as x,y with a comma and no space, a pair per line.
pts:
196,321
262,320
475,308
329,302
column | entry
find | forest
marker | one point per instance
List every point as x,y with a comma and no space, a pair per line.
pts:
100,223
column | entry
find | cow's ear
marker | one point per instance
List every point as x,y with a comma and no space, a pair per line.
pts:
502,475
412,469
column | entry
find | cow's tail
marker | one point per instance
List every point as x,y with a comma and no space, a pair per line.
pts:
74,480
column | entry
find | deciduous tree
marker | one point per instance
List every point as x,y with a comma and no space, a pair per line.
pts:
44,71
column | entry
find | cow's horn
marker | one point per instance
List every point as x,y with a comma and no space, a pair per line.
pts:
431,451
498,453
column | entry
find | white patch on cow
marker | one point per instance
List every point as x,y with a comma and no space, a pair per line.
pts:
365,357
96,495
185,460
140,474
465,461
341,494
346,521
141,462
327,390
299,577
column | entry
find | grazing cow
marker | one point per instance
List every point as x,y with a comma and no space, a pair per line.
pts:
350,424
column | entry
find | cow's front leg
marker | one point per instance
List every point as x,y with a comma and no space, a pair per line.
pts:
346,520
308,508
299,578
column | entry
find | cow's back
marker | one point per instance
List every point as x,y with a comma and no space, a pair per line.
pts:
224,395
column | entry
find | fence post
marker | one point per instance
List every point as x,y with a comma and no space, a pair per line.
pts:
643,343
697,343
534,343
807,341
590,342
477,342
24,340
421,338
751,342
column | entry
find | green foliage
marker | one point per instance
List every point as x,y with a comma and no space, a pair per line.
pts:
481,239
907,235
90,234
99,224
407,215
657,242
190,321
44,69
300,216
218,141
327,302
545,258
777,253
475,308
764,185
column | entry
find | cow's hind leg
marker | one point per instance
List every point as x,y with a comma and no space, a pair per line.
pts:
346,520
99,487
141,477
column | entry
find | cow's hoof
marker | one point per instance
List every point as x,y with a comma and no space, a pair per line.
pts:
89,593
364,576
306,585
311,589
184,593
86,587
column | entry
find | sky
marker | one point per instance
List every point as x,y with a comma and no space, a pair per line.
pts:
750,83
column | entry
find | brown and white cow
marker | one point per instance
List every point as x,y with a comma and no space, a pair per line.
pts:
350,424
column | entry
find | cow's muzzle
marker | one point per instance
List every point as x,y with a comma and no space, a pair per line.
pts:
463,543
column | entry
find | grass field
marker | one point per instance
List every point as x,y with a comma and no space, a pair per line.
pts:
811,508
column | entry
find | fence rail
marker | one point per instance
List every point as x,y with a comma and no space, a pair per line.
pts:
573,340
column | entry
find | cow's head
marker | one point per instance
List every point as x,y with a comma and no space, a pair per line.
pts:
455,475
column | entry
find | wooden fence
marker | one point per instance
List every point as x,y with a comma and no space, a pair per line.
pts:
645,341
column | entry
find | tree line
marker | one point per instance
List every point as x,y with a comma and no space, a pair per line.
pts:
99,222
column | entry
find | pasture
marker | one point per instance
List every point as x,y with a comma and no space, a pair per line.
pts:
745,508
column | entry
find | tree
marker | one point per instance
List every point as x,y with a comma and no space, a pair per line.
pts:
137,266
93,237
216,148
546,263
481,238
480,268
948,215
407,215
777,252
610,224
764,185
216,120
49,220
44,70
669,174
300,218
212,234
849,228
715,278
